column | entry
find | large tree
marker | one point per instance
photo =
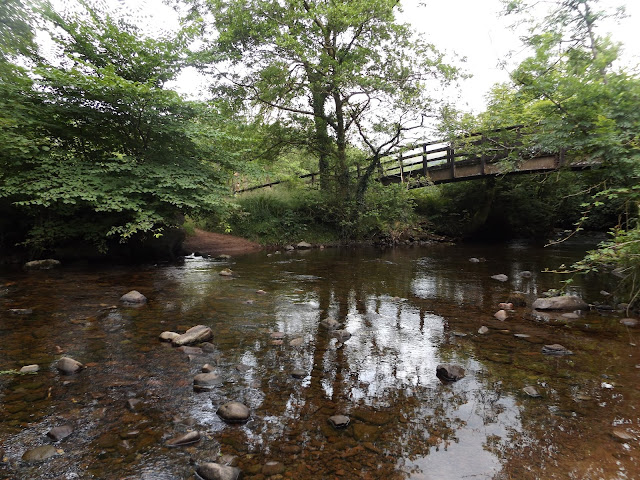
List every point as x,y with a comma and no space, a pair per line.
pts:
345,68
94,148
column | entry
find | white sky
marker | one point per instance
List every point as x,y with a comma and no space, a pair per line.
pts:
468,28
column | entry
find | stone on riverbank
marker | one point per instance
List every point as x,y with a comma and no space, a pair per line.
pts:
216,471
234,412
69,366
303,246
197,334
449,372
565,302
46,264
133,297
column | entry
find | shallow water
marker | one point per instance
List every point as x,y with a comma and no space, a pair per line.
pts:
408,310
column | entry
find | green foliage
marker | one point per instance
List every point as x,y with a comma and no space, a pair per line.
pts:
94,148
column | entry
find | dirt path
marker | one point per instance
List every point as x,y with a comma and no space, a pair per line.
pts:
208,243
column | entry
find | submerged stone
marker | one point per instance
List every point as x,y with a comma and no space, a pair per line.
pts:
449,372
39,454
556,349
330,324
216,471
565,302
206,381
272,468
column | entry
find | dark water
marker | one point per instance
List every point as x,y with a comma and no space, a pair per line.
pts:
407,309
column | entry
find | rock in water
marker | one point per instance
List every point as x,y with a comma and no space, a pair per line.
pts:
227,272
449,372
339,421
133,297
206,381
59,433
46,264
197,334
500,277
30,369
501,315
629,322
532,392
168,336
188,438
272,468
39,454
234,412
556,349
483,330
303,246
330,324
565,302
69,366
341,335
216,471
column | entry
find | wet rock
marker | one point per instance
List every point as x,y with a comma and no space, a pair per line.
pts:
518,299
234,412
622,436
206,368
208,347
168,336
341,335
227,272
68,366
277,342
188,438
223,256
289,248
501,315
629,322
505,306
330,324
531,391
60,432
449,372
604,293
556,349
39,454
197,334
298,373
216,471
30,369
191,351
339,421
133,297
521,335
526,274
474,260
565,302
272,468
206,381
46,264
277,335
501,277
21,311
241,367
134,404
483,330
570,316
296,342
303,246
261,292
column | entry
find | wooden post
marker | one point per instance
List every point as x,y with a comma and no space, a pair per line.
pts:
561,158
425,164
483,159
401,168
450,158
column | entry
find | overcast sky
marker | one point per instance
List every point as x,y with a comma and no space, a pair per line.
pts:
468,28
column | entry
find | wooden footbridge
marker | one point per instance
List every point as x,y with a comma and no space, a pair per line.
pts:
470,157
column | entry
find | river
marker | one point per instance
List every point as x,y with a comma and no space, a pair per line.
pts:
407,310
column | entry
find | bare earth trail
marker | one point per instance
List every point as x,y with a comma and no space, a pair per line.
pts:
208,243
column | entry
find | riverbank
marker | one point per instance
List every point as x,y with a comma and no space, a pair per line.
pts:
214,244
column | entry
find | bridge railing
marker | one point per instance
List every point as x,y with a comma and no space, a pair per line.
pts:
421,158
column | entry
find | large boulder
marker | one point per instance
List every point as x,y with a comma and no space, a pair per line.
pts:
565,302
197,334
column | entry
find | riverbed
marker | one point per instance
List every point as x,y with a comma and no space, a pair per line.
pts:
407,311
